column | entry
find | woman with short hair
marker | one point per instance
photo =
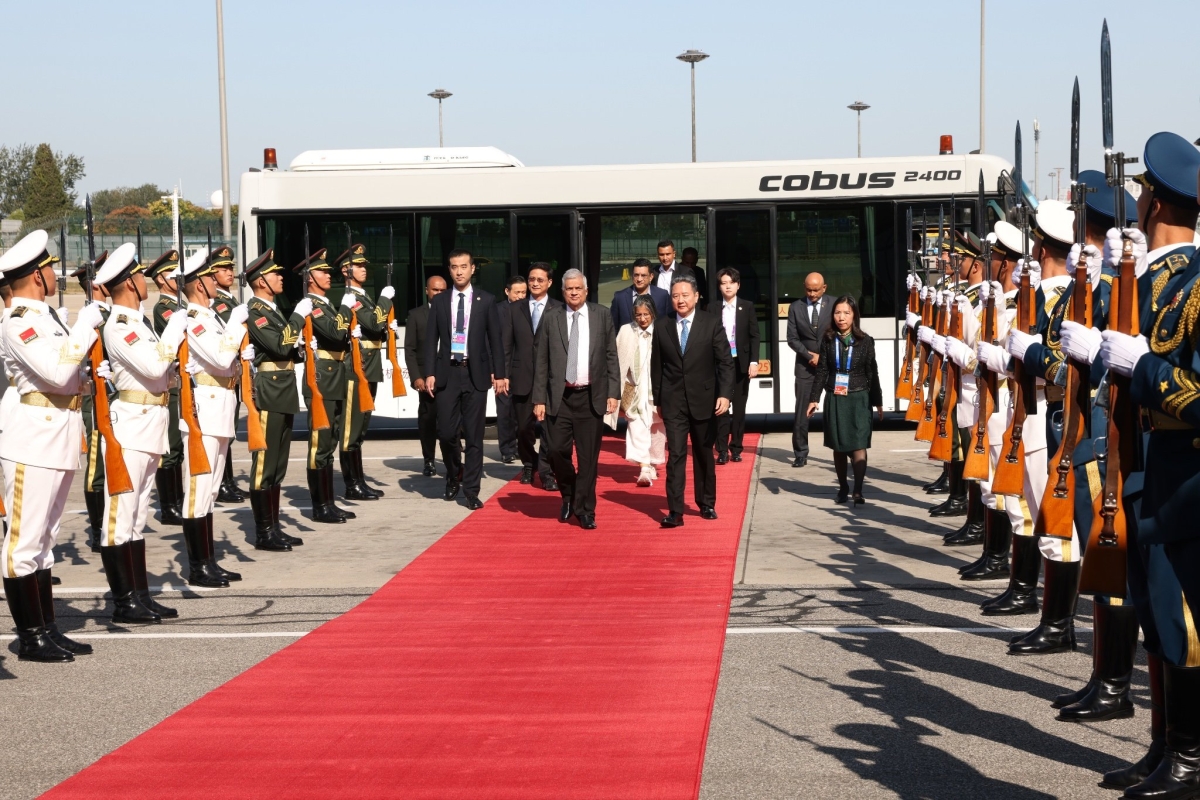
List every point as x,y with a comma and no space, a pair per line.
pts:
645,434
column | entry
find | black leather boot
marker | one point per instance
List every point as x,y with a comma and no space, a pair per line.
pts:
973,529
141,581
1114,644
25,604
322,506
362,478
353,479
1021,595
94,501
1056,633
1177,776
45,586
956,503
940,484
331,497
997,539
118,568
273,496
200,569
229,491
170,504
228,575
264,528
1138,772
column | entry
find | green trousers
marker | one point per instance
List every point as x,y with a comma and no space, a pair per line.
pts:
269,467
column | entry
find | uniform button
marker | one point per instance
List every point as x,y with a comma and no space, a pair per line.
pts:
49,418
145,410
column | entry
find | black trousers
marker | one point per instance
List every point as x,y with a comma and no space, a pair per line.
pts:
576,427
506,425
703,433
732,427
460,406
533,446
427,427
805,377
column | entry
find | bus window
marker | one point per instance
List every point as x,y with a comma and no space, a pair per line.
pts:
545,238
627,237
848,245
486,238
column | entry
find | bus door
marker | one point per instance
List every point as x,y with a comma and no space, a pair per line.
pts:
743,237
548,237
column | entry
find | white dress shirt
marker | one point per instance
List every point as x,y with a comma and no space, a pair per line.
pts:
729,321
582,378
665,277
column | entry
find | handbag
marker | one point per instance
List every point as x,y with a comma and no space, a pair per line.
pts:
628,394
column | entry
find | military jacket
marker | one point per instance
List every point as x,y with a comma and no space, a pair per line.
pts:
223,305
214,347
275,353
331,328
142,366
164,307
372,318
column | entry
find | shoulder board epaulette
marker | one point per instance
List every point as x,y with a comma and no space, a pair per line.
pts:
1010,303
1176,262
192,313
122,319
973,294
258,305
19,311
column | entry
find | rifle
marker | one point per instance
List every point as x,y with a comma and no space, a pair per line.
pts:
1104,562
927,425
116,476
318,419
366,402
398,387
976,459
916,402
197,457
904,385
256,440
942,445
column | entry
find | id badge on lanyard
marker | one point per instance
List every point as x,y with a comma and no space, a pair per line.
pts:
733,344
841,380
458,343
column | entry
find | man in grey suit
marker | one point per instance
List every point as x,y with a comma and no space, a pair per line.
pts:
576,382
414,360
808,320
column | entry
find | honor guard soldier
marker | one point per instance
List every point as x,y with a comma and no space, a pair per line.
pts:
213,349
39,443
275,339
330,350
93,472
141,365
372,321
223,303
168,481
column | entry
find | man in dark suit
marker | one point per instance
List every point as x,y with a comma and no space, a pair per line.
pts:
506,415
643,283
691,375
527,316
808,319
669,269
576,383
741,329
414,360
464,357
689,259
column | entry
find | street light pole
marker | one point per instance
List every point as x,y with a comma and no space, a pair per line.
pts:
1037,142
858,106
440,95
982,26
693,57
226,224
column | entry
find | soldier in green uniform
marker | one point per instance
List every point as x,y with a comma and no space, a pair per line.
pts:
168,481
223,304
331,350
93,472
275,339
372,322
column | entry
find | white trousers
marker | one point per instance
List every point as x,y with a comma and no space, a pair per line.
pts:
645,443
35,498
125,515
200,491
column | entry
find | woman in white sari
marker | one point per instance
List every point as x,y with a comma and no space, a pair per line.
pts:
645,435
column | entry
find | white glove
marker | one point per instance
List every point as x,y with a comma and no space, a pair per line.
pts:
173,335
349,300
1035,272
993,357
1121,352
356,331
388,291
1019,341
299,342
912,321
958,352
927,293
964,305
985,290
1114,247
1093,259
239,315
194,367
89,318
64,314
303,307
104,371
395,327
314,345
1079,342
912,282
939,344
925,334
997,290
248,353
947,297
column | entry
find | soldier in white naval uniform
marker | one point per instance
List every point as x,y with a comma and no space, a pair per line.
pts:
141,365
39,443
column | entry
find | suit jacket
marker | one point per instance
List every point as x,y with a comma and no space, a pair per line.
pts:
746,335
691,381
485,347
802,336
550,380
683,269
523,344
414,342
622,305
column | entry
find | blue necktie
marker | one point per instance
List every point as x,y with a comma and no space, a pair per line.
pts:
537,315
683,336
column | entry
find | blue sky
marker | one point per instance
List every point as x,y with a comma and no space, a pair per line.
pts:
132,87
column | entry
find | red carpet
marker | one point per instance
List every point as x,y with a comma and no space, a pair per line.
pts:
516,658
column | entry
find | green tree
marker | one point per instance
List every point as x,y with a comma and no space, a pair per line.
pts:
16,169
106,201
45,195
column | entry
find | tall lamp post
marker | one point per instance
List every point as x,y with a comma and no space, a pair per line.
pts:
693,57
858,106
226,225
440,95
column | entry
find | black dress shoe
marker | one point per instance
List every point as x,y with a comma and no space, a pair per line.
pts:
230,494
587,522
474,503
723,458
526,475
429,470
452,487
799,462
708,512
550,485
842,495
736,457
672,521
564,513
508,459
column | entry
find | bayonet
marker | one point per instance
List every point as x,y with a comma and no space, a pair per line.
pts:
90,268
1078,191
392,251
138,257
1114,162
242,259
62,260
180,300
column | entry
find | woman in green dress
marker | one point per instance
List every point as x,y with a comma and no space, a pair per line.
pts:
848,375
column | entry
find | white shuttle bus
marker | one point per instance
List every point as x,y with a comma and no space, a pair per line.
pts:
775,221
